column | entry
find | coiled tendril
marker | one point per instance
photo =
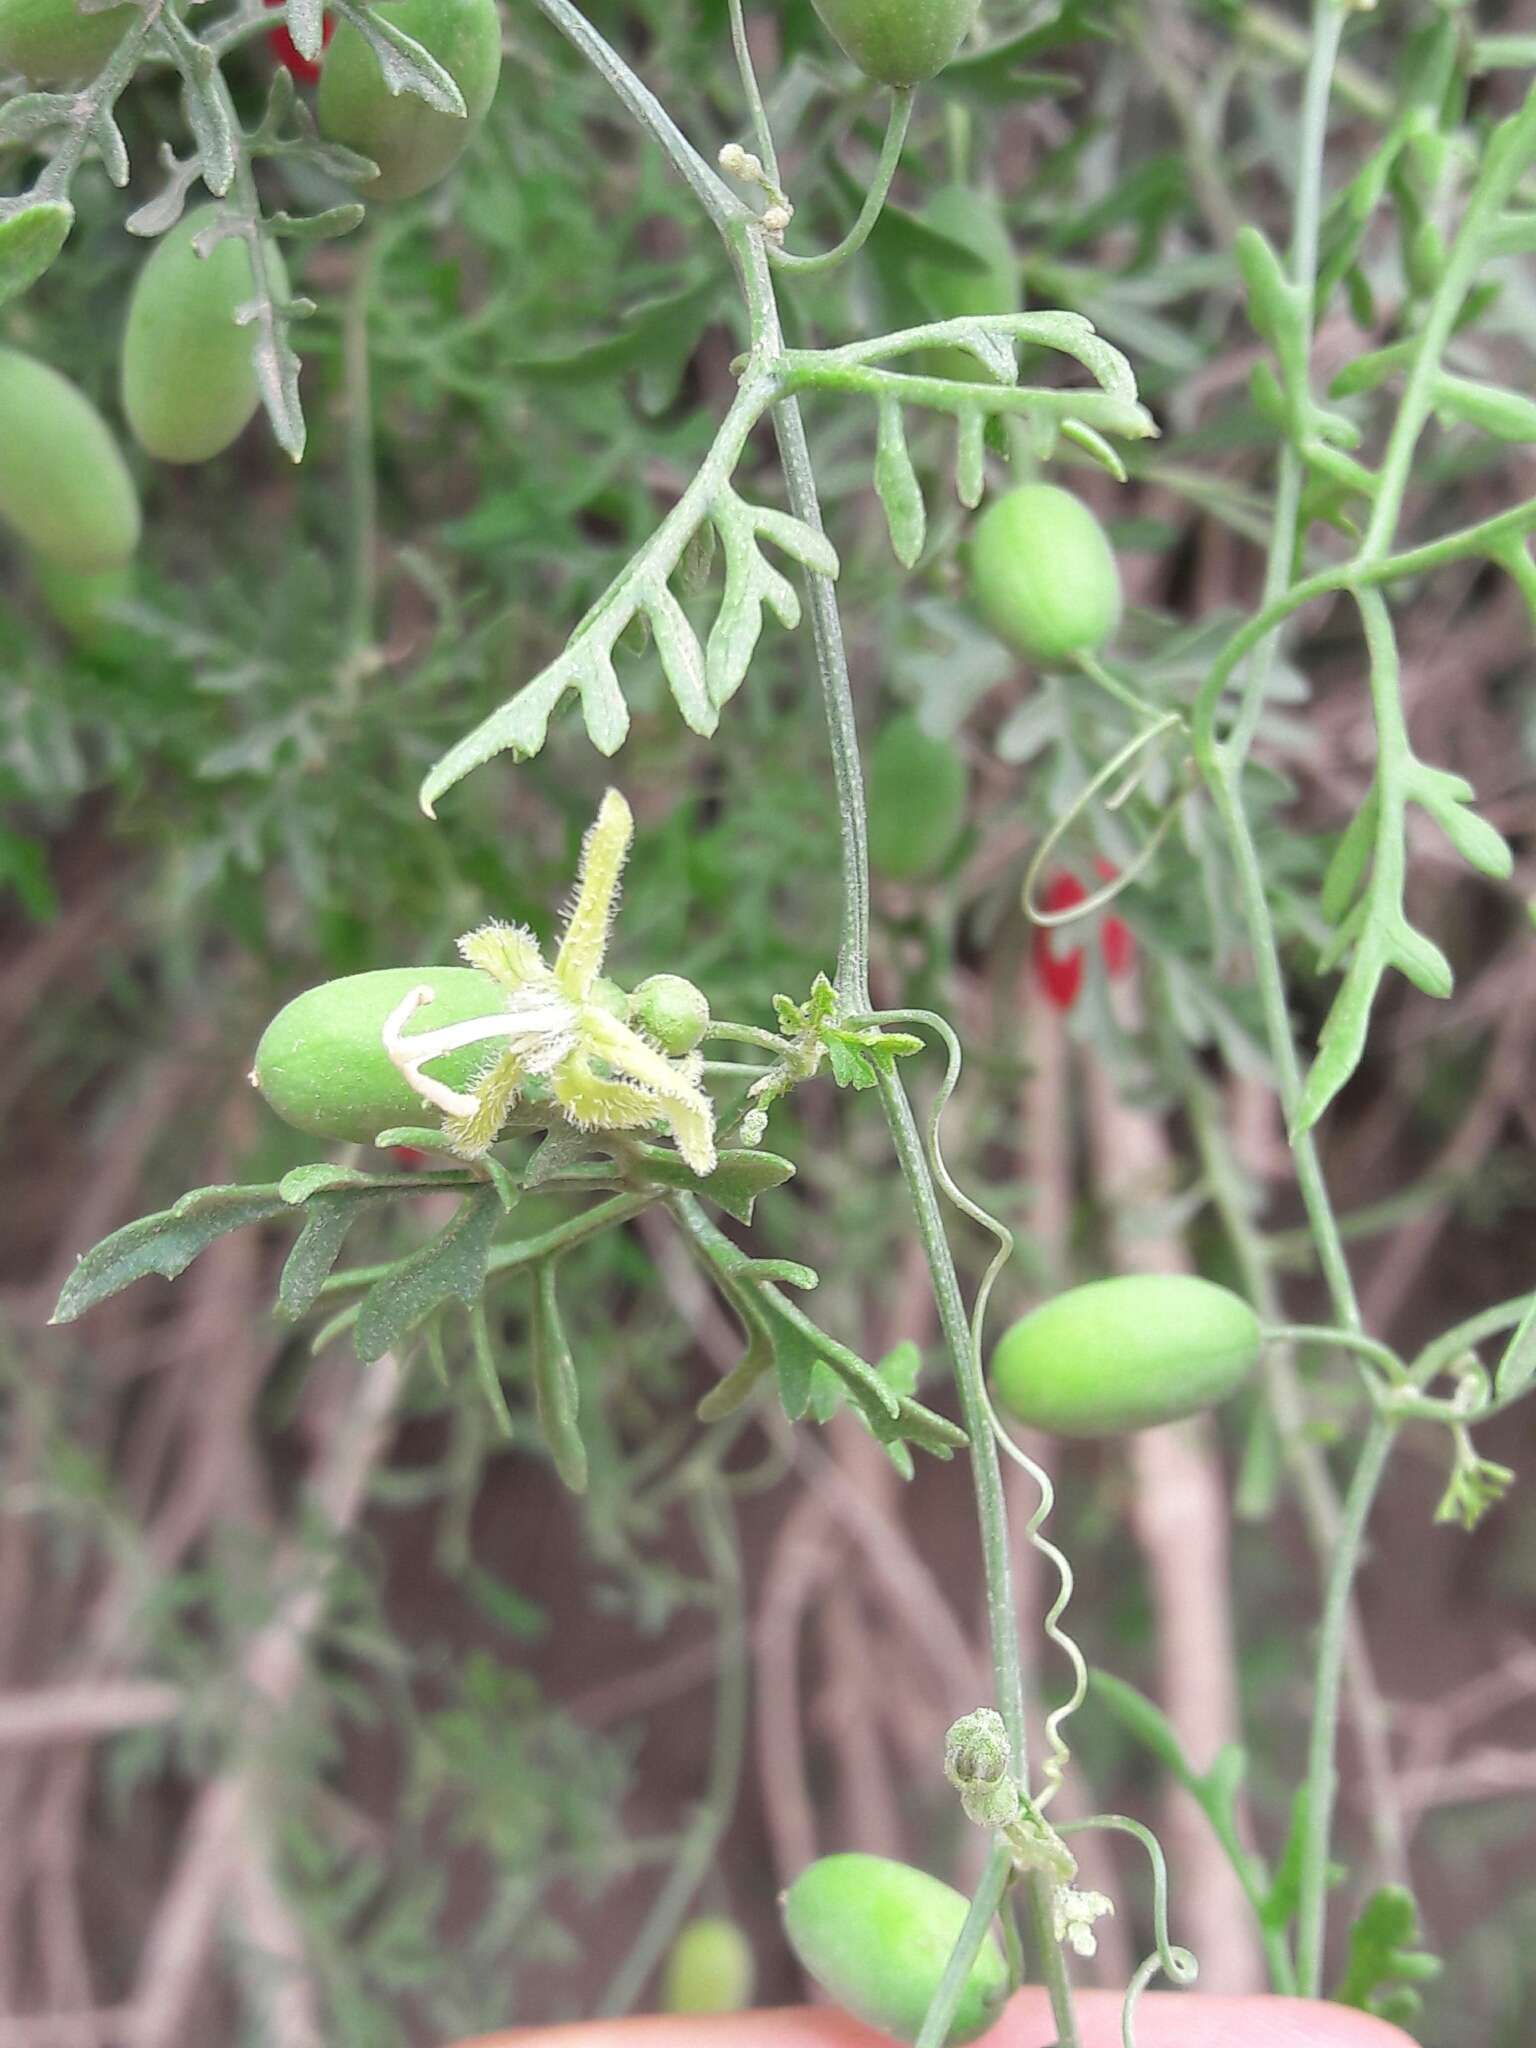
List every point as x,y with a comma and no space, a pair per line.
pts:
1054,1767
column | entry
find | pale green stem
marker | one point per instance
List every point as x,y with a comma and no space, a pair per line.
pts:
897,124
762,130
362,475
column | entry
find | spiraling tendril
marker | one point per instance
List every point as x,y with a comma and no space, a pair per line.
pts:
1177,1964
1053,1770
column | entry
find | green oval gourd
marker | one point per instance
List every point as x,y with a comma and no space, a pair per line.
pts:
414,145
1125,1354
322,1066
876,1936
64,487
710,1968
50,42
188,372
1044,574
919,793
899,42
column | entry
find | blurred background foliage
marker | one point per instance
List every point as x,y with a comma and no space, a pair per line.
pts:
487,1741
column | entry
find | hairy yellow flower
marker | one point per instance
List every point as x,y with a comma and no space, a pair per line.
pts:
555,1027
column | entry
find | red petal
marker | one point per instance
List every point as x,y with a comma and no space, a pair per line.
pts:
1119,948
1059,974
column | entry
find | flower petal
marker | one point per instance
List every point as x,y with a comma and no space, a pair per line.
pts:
603,854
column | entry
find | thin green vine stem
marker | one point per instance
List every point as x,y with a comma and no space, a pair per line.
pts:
362,473
1222,779
1315,1490
853,992
897,124
719,202
985,1902
762,129
1502,170
1322,1771
1339,1340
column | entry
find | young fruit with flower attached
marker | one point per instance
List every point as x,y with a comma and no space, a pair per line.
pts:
50,42
413,144
64,486
1045,575
899,42
876,1936
349,1059
1125,1354
322,1063
188,373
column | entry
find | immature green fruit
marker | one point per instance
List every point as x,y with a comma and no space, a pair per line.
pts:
189,376
321,1062
710,1969
64,486
876,1936
1125,1354
977,222
51,43
672,1011
900,42
81,603
1045,575
413,144
919,793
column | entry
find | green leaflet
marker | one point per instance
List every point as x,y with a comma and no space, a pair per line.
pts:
165,1243
450,1267
897,487
327,1219
30,239
807,1363
1384,1963
557,1391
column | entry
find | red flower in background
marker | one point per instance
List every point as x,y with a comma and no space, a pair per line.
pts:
282,47
1060,973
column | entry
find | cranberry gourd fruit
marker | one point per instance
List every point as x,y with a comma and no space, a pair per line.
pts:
899,42
413,144
1125,1354
64,487
322,1066
876,1936
50,42
189,376
1045,575
918,794
710,1969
